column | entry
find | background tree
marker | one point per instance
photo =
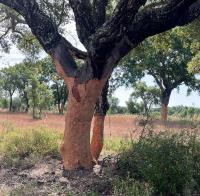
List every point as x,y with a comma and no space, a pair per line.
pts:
114,106
148,95
133,107
8,83
165,57
107,40
24,71
194,64
39,94
192,31
55,82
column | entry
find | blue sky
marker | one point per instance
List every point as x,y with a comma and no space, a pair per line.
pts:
176,99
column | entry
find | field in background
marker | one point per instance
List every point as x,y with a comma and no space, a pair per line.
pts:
115,125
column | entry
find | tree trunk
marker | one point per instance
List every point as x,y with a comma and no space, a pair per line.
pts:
165,101
164,112
34,112
101,109
60,111
27,101
75,149
61,108
10,106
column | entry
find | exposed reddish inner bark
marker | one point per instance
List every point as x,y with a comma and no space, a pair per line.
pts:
75,148
164,112
97,136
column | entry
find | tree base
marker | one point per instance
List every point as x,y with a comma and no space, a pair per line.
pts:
80,172
75,149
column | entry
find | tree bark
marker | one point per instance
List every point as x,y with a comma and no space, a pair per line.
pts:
60,111
75,149
165,101
61,108
101,109
27,102
34,112
10,105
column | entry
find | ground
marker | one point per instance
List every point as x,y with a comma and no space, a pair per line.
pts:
45,176
115,125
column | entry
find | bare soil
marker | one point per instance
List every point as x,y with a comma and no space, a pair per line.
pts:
46,178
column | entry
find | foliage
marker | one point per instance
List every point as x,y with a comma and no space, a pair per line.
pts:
133,107
3,103
170,163
165,57
194,64
130,187
192,31
18,144
39,95
114,106
184,111
29,46
8,82
55,82
148,95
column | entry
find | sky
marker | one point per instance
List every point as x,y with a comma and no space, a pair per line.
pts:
122,93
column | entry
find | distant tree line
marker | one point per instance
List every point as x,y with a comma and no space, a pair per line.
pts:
34,86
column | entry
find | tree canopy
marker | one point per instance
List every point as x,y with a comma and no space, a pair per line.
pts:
165,57
129,23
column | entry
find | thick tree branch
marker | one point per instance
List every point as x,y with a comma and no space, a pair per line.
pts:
47,34
157,80
114,39
106,39
130,24
99,12
84,21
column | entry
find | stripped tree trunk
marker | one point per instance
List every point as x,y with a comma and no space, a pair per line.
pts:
165,101
75,149
101,109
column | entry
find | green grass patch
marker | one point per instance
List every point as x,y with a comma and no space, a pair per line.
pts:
19,144
117,145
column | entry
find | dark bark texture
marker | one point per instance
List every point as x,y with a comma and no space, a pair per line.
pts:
102,104
106,40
